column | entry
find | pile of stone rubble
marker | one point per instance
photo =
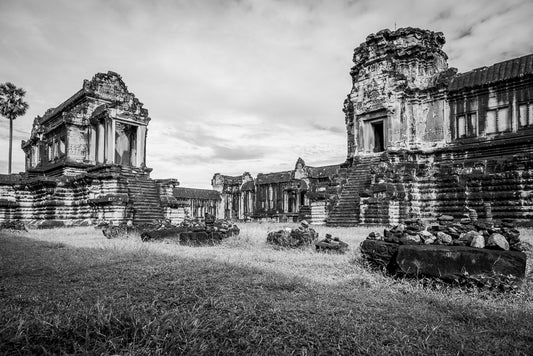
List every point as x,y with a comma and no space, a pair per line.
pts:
189,232
13,225
302,236
194,232
449,231
331,244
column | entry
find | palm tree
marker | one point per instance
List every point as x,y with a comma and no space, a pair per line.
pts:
12,105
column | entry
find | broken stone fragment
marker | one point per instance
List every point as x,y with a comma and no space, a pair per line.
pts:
478,241
497,242
444,238
430,240
331,246
408,239
466,221
469,236
445,218
481,225
425,235
375,236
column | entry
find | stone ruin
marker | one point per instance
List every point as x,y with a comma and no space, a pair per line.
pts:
449,249
305,236
190,232
302,236
425,141
86,165
422,141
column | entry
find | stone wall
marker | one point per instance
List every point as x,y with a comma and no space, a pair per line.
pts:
104,194
494,180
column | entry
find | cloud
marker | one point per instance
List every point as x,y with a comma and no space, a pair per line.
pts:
232,86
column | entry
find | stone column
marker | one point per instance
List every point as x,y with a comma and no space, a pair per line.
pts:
92,144
105,133
141,145
112,141
100,143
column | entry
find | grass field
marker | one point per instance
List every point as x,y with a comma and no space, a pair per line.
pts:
72,291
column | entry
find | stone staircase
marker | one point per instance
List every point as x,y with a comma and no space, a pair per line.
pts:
346,211
144,196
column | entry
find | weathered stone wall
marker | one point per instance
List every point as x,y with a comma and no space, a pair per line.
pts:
395,90
494,180
105,194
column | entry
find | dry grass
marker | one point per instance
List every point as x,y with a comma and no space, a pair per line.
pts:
73,291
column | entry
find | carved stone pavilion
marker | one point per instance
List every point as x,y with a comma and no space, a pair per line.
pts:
86,164
422,140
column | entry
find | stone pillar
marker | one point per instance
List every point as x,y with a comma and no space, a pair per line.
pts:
100,143
111,140
105,133
92,144
241,206
141,146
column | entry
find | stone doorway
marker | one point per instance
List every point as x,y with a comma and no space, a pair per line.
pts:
379,136
125,144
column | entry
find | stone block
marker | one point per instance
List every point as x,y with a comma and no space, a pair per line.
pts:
449,262
380,253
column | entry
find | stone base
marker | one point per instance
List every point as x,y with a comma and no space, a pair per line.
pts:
446,262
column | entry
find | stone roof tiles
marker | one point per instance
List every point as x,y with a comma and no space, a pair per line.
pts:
506,70
322,172
193,193
275,177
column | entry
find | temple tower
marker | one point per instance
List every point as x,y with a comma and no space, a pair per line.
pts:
392,104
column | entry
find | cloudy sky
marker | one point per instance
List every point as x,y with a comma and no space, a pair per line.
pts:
231,86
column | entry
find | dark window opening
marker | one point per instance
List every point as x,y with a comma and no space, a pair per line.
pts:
292,202
302,198
525,115
466,125
379,137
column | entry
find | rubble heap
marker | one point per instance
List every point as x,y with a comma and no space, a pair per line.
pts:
293,238
13,225
447,231
449,250
189,232
331,245
194,232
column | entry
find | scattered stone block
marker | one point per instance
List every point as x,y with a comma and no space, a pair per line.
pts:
331,245
498,242
449,262
380,253
293,238
478,241
444,238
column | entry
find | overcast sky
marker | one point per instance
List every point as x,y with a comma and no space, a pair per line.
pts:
231,86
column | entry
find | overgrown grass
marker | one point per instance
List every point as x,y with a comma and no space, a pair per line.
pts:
73,291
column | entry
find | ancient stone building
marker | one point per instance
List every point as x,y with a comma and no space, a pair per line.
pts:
86,164
302,193
424,140
102,123
237,195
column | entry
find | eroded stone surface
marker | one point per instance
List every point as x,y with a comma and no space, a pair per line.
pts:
449,262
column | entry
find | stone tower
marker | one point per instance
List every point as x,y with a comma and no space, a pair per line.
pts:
394,102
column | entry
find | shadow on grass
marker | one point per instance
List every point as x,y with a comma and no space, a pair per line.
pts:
57,299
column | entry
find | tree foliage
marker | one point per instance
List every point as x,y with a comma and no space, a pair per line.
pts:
12,104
